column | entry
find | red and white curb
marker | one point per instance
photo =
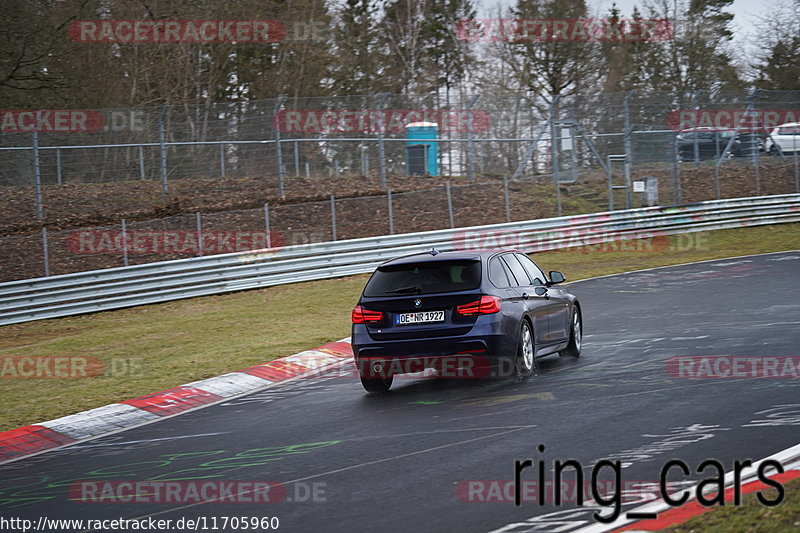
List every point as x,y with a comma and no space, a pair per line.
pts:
36,438
668,516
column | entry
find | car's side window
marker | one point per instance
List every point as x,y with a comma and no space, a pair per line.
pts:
534,272
497,273
517,269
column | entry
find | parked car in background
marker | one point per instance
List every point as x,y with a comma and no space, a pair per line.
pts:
786,137
470,310
712,143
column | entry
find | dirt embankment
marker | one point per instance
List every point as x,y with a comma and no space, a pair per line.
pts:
304,213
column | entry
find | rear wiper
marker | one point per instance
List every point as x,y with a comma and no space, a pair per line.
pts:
412,288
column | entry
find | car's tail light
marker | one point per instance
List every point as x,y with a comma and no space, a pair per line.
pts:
365,316
485,306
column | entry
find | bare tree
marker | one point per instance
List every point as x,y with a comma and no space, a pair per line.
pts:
777,66
36,52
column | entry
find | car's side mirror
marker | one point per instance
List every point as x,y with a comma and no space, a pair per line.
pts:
556,277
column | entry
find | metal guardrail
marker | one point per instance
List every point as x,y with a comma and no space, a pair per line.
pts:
115,288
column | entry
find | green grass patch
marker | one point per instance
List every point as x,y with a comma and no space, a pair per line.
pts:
751,516
187,340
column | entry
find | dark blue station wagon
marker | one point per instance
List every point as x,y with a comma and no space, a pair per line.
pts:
460,312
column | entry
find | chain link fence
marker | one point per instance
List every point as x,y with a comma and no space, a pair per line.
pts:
499,157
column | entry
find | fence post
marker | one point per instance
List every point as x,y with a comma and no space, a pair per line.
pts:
693,105
333,216
37,175
449,203
381,161
58,165
757,170
124,243
470,148
163,154
554,159
381,151
796,169
505,194
753,148
628,149
391,213
199,226
364,160
222,160
45,252
141,162
573,155
266,225
677,174
296,159
278,154
610,186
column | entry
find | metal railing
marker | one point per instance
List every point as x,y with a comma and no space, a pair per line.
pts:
115,288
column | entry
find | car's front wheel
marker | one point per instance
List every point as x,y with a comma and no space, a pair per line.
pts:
377,384
526,365
573,348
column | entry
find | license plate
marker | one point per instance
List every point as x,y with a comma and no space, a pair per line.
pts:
420,317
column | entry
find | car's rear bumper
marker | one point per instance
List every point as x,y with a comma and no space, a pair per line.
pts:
485,354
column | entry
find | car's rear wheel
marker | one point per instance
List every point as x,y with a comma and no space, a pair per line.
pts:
377,384
525,361
573,348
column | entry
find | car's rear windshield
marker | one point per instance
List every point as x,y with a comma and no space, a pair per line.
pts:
424,278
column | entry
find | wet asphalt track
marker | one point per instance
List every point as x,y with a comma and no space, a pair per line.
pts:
395,462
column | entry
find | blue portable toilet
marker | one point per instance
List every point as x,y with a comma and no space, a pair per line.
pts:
422,157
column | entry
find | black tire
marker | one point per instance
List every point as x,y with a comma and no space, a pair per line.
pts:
773,151
377,384
526,352
573,348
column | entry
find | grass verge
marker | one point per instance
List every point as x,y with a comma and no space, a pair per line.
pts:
751,516
156,347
